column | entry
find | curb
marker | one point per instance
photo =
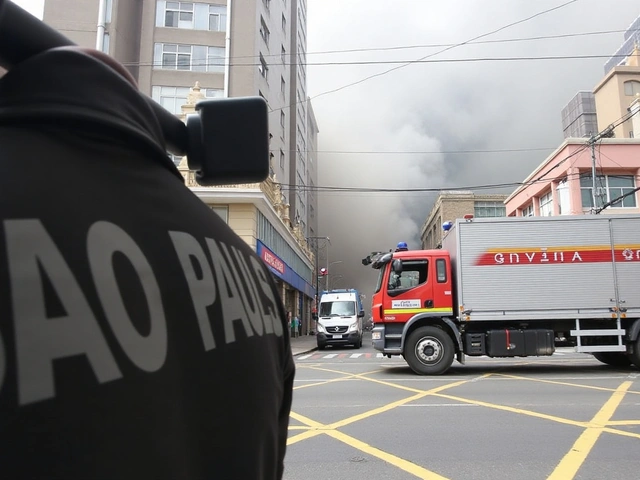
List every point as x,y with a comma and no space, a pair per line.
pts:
305,351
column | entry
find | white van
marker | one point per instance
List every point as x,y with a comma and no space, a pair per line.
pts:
340,315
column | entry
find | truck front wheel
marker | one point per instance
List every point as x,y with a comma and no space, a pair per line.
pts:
429,351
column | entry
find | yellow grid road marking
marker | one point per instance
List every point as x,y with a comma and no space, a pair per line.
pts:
401,463
566,384
570,464
332,380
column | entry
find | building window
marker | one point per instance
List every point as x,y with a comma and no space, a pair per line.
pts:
609,188
267,4
106,42
283,85
222,211
282,119
264,31
178,15
283,54
213,93
546,205
215,59
281,159
489,209
217,18
191,16
171,98
632,88
528,211
263,68
284,23
175,57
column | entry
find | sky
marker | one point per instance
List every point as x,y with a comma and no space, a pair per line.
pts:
438,107
459,100
34,7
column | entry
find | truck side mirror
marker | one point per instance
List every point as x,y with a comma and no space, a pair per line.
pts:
314,316
396,265
361,314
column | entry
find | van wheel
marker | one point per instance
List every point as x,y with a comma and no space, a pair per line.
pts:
322,346
615,359
429,351
358,344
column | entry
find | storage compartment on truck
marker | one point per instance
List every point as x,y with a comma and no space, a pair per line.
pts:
474,344
505,343
520,343
539,342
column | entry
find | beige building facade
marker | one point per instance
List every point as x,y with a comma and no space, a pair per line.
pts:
615,93
451,205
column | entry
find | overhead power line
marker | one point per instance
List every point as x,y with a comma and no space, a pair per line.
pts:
403,62
477,37
479,42
418,152
542,178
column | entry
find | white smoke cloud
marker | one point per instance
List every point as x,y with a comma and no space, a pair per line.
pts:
437,107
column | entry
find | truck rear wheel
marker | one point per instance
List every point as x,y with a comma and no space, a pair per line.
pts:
429,351
634,357
615,359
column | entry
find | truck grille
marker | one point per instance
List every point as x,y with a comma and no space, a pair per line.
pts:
333,330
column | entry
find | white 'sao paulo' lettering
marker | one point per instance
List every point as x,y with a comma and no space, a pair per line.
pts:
234,282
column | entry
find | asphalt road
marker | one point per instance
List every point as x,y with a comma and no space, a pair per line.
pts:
561,417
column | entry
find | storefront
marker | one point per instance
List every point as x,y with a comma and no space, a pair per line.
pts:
296,293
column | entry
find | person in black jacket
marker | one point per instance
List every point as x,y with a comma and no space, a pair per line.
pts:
140,337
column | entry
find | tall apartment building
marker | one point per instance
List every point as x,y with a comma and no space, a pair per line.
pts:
228,48
579,117
631,39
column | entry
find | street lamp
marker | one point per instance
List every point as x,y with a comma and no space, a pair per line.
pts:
315,270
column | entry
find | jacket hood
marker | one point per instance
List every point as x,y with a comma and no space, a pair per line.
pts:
67,86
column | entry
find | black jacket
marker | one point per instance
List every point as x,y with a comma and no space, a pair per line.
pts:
140,337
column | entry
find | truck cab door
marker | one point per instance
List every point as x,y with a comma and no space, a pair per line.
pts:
408,292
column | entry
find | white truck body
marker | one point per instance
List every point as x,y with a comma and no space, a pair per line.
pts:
571,268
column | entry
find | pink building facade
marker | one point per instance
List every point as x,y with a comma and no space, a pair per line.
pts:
562,184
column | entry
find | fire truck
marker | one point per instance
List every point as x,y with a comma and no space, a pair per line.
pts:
512,287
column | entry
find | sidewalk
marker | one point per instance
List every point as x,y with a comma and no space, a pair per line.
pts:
303,344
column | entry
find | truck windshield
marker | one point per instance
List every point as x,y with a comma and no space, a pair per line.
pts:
336,309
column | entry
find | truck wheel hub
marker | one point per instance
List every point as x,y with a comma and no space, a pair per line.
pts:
428,350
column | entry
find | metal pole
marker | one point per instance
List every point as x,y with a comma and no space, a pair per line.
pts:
592,141
326,277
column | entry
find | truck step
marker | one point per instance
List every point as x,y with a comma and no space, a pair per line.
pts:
598,333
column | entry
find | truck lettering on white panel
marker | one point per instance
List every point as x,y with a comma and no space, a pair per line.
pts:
550,255
409,303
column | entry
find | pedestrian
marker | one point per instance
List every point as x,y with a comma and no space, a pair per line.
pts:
125,349
296,326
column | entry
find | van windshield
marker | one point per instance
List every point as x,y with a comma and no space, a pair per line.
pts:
334,309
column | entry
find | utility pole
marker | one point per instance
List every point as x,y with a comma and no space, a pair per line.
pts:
592,142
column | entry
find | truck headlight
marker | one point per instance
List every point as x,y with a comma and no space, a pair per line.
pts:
353,327
375,336
321,328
